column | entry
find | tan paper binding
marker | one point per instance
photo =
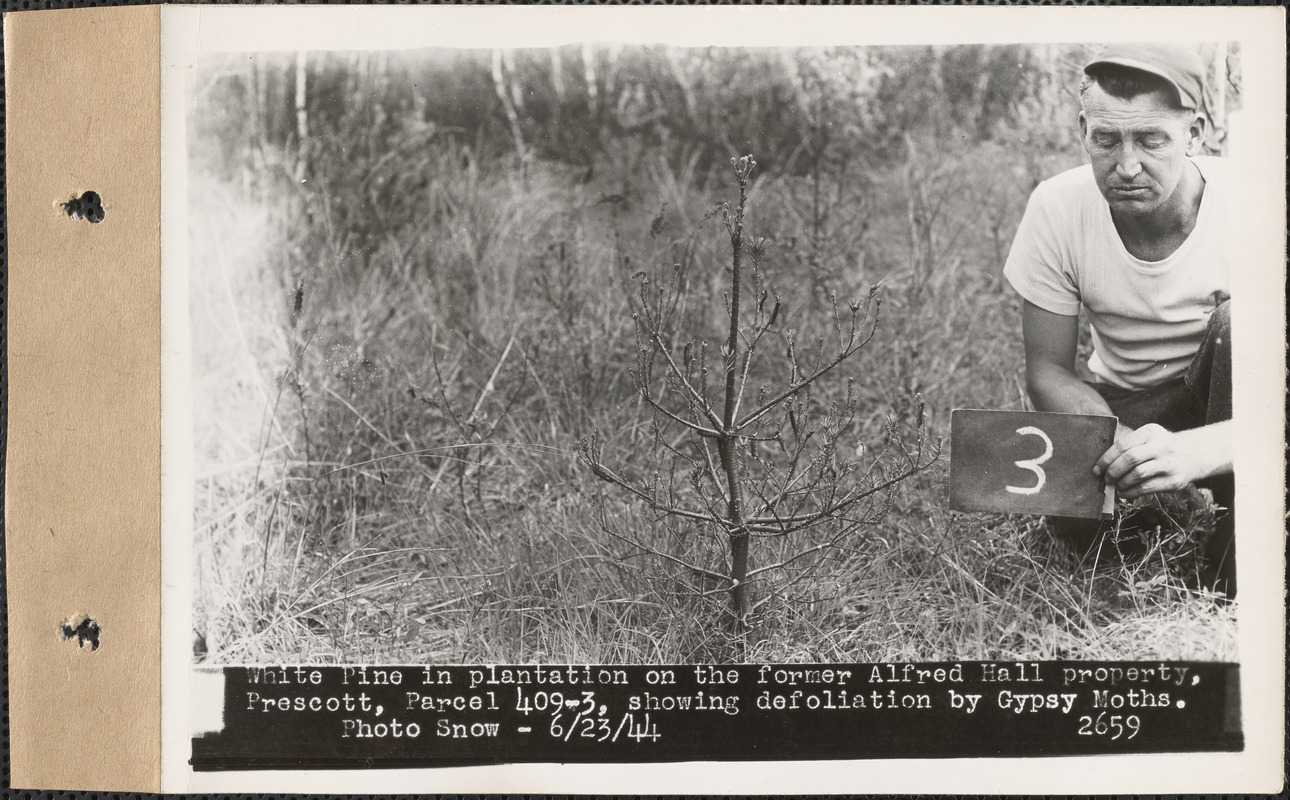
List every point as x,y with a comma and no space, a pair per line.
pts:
82,527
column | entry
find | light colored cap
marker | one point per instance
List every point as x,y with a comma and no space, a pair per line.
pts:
1179,64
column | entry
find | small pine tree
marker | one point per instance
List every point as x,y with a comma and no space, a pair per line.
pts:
743,451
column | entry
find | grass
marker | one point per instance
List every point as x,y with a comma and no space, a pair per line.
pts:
385,435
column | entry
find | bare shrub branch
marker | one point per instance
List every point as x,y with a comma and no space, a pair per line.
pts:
779,475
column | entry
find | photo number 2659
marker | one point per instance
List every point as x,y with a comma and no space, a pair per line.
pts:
1026,462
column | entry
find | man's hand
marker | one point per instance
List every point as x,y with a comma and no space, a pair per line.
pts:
1152,459
1140,462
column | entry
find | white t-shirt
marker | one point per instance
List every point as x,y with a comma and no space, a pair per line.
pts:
1147,317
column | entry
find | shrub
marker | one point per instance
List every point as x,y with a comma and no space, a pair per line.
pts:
780,474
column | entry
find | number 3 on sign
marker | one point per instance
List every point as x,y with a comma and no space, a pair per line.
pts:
1032,464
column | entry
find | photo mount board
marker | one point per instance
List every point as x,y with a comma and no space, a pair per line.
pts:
83,465
60,760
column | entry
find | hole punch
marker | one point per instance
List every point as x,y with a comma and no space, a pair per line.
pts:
89,206
86,632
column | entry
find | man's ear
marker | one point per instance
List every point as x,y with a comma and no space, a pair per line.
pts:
1083,131
1196,134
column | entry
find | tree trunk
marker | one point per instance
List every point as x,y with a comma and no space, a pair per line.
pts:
589,70
1218,101
499,84
730,451
302,117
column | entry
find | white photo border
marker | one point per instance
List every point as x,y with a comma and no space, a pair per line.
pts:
189,32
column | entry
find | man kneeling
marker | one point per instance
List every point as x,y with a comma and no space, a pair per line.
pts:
1138,239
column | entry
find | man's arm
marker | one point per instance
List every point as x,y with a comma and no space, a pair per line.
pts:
1140,462
1051,341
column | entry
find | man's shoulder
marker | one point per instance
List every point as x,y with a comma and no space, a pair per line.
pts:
1067,199
1073,183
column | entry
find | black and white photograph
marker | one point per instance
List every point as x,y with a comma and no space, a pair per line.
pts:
648,355
612,352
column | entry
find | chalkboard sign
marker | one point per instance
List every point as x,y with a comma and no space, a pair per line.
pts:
1027,462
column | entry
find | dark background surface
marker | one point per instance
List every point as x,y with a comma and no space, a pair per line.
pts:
987,444
253,738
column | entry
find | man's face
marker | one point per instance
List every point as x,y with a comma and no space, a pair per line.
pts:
1139,148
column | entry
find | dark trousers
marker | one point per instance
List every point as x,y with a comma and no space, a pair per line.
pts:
1201,397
